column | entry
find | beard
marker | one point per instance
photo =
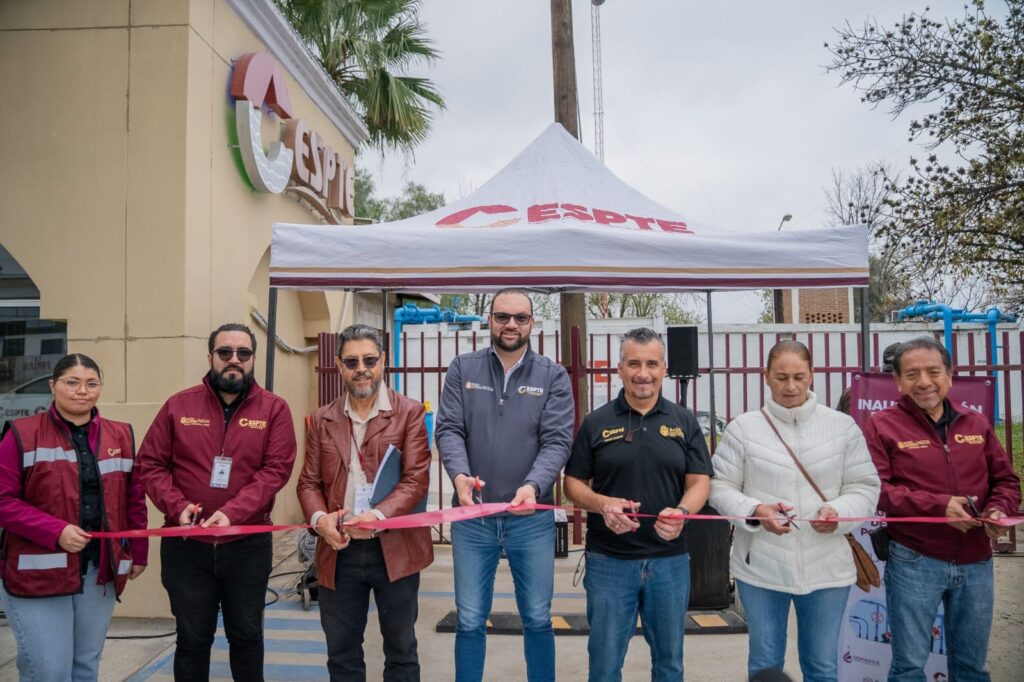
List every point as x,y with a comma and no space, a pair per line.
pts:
230,385
512,347
361,393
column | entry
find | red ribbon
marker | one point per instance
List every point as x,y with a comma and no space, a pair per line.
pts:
476,511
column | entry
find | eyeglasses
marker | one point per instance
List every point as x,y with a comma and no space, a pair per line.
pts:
244,354
503,318
352,364
74,384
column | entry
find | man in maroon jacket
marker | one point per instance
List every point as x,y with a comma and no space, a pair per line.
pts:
216,454
938,459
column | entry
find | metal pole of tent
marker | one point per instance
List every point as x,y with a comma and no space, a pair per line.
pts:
384,329
865,331
271,338
711,376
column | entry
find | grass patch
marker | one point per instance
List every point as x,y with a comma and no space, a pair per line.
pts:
1015,447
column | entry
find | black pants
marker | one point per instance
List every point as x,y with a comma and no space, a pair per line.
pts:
200,577
343,615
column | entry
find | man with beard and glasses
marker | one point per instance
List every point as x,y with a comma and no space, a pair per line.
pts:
367,459
504,431
216,455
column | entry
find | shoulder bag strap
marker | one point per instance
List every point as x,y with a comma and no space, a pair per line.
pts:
793,455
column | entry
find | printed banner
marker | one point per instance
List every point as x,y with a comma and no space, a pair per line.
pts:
872,392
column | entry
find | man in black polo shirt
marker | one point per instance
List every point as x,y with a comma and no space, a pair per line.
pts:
638,453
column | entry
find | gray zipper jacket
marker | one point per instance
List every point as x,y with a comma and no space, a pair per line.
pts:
506,437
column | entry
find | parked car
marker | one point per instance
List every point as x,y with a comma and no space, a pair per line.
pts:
31,397
704,419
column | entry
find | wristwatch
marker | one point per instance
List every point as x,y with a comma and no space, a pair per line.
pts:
685,511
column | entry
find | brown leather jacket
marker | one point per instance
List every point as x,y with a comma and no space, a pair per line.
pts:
325,470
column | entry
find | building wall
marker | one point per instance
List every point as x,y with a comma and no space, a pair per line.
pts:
123,198
824,306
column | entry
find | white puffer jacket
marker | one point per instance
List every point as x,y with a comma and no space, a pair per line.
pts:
752,467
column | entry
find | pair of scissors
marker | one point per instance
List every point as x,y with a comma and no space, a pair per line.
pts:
973,507
790,518
195,516
478,496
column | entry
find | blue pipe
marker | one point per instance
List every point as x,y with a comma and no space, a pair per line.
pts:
411,314
991,317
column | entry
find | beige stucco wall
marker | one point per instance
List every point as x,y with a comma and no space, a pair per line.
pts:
122,198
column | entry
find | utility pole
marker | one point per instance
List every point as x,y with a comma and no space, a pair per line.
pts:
563,63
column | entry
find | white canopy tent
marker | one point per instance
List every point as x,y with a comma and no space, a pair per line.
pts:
556,219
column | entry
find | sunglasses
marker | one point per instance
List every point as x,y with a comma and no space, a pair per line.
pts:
503,318
352,364
244,354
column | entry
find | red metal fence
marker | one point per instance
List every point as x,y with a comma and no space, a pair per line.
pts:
739,358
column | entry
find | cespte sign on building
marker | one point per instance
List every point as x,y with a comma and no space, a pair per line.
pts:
300,162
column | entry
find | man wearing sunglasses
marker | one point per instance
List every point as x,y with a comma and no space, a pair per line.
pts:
504,431
366,459
216,455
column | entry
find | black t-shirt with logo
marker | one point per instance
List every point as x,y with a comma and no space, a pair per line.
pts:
637,457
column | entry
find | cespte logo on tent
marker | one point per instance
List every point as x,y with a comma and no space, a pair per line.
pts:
503,215
318,175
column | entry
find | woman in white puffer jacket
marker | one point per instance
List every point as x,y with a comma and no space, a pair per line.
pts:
774,562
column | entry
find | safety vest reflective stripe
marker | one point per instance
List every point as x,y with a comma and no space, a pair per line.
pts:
124,566
38,562
109,466
32,457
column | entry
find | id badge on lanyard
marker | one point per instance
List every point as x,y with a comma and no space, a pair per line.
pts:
221,472
362,501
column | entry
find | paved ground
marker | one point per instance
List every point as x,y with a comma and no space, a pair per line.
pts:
295,648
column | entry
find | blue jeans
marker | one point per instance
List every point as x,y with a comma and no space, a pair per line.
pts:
915,585
529,542
819,619
61,638
618,589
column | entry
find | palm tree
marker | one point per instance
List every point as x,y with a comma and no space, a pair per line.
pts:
364,45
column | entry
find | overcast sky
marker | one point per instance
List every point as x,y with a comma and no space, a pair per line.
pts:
720,111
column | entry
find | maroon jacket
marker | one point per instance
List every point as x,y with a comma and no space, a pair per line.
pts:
919,474
176,456
39,496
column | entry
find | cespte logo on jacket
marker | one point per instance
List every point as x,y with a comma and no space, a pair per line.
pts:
535,391
473,386
613,433
970,439
194,421
247,423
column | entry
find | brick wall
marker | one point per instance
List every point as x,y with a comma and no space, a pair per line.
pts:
823,306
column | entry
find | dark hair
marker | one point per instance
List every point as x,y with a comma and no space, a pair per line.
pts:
74,360
788,346
887,355
512,290
921,343
640,335
231,327
356,332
